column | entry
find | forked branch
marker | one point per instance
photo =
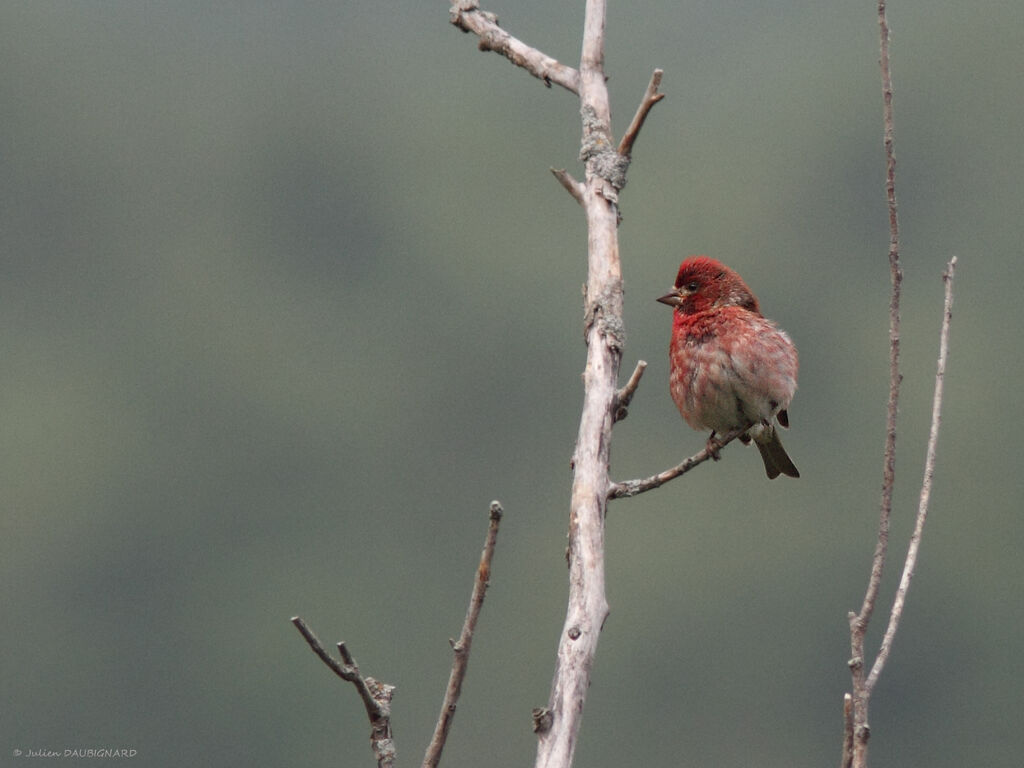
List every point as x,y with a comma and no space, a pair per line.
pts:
859,621
377,696
857,730
855,708
606,164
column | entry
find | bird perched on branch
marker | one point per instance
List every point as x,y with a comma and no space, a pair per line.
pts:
729,366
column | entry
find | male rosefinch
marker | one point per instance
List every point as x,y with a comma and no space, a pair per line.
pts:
729,365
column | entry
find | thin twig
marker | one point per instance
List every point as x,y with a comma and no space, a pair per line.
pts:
376,696
624,396
467,16
572,186
629,488
651,97
859,621
926,486
347,671
462,645
895,378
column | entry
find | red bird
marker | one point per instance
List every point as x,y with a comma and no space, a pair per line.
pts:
729,365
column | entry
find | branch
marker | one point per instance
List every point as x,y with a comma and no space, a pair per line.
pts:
467,16
859,621
628,488
847,760
462,646
572,186
926,486
614,164
558,724
376,696
895,378
651,97
625,395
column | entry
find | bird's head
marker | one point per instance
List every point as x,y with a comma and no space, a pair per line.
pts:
704,284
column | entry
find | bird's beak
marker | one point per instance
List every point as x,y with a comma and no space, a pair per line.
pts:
673,299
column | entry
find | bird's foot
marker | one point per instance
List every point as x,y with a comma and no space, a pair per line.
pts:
713,447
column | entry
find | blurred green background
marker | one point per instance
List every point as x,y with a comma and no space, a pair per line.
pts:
289,295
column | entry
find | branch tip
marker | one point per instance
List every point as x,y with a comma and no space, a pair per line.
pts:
651,97
496,510
467,16
461,647
926,486
624,396
573,187
376,695
542,719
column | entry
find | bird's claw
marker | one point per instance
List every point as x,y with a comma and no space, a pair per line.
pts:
713,447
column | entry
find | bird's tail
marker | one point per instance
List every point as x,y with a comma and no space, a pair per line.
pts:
776,460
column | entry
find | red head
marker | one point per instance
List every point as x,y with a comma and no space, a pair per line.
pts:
704,284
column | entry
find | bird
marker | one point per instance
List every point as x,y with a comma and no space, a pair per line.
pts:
730,367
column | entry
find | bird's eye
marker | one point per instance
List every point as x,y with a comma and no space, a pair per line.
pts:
692,286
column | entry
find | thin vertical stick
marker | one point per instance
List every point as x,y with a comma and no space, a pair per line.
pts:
895,377
461,646
859,621
926,486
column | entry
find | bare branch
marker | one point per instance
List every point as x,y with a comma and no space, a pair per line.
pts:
572,186
376,696
847,759
558,724
625,395
467,16
895,378
651,97
462,646
629,488
859,621
926,486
